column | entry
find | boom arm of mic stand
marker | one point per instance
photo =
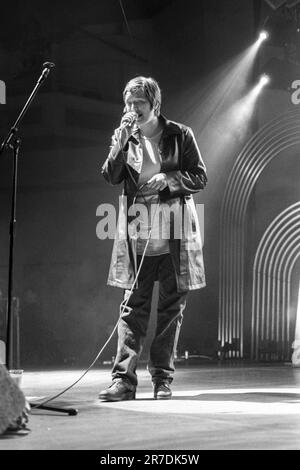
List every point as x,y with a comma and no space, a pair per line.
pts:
14,128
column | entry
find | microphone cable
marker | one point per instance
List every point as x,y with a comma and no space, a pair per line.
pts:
123,304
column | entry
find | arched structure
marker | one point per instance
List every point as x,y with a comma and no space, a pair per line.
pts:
275,137
277,253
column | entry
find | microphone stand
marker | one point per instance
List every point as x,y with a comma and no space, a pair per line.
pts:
13,142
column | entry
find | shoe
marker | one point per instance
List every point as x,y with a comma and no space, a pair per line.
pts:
118,391
162,391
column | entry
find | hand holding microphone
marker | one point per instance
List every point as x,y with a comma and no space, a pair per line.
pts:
128,119
124,130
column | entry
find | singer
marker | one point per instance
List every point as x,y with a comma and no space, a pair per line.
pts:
159,163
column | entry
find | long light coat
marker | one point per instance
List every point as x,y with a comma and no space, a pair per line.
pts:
186,175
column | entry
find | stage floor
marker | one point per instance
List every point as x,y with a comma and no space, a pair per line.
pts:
215,407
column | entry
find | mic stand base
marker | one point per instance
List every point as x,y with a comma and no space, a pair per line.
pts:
68,411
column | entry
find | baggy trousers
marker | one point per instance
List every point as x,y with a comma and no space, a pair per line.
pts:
134,320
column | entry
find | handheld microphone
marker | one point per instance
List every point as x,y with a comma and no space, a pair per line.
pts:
128,120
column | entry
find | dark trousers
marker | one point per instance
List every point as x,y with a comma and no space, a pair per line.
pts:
133,324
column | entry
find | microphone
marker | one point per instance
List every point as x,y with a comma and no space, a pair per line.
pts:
128,120
48,65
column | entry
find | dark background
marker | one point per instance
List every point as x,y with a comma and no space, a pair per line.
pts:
66,310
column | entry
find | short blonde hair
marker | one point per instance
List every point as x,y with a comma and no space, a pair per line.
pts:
149,87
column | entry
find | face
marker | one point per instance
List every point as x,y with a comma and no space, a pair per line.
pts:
138,103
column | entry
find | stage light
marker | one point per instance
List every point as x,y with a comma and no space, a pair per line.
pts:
252,96
264,80
263,35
